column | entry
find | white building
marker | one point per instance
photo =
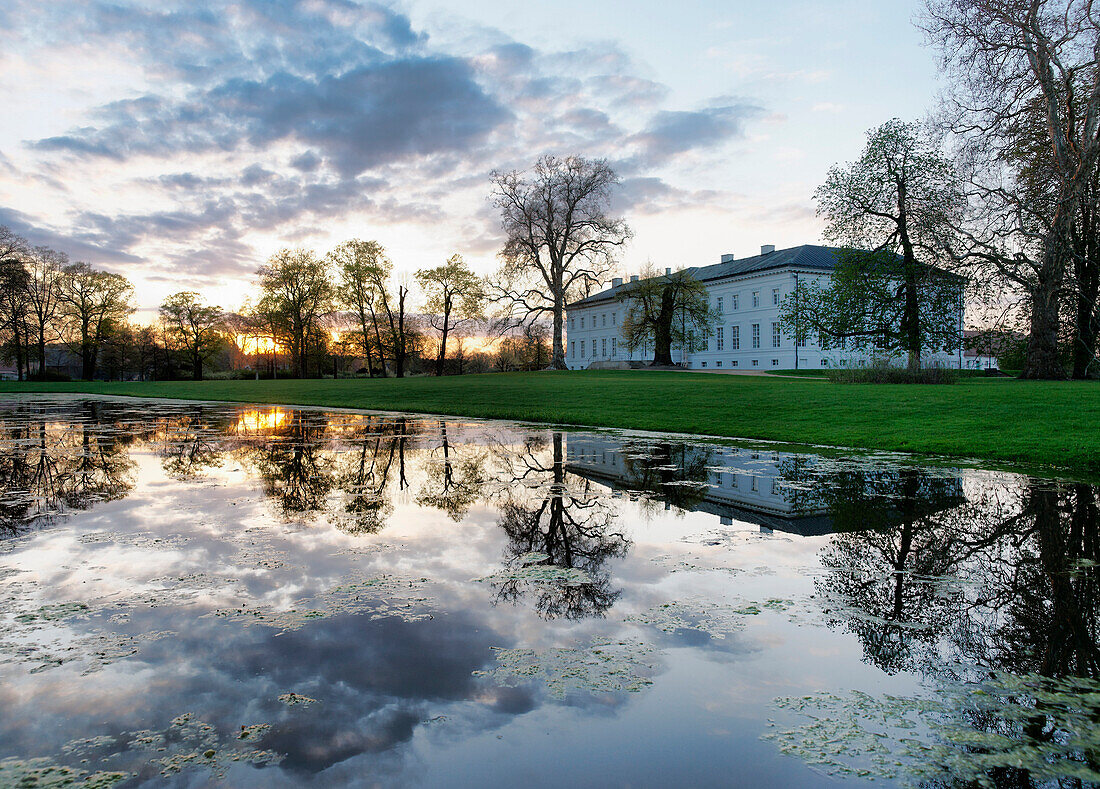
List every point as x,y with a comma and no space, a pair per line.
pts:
747,296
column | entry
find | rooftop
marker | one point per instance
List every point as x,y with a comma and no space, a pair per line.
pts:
807,256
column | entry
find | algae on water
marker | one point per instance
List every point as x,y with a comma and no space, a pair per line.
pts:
604,666
965,734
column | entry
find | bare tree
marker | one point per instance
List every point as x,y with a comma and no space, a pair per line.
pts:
43,287
1004,55
560,240
13,294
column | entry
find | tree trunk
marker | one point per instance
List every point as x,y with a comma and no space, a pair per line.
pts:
557,360
41,353
1042,346
87,362
19,373
442,360
196,367
1088,321
662,332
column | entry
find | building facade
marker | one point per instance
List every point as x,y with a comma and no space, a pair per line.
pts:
747,297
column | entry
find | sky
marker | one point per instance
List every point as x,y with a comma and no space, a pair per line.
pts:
182,143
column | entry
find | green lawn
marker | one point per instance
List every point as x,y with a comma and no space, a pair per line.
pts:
1021,422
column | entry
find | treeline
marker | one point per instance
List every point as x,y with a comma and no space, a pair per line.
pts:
337,314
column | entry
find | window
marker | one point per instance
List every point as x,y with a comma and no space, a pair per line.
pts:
733,480
775,296
718,363
704,364
756,298
573,350
755,484
777,340
733,363
603,319
735,338
571,321
614,319
755,362
603,347
582,343
614,345
755,335
718,305
823,341
582,326
824,362
720,339
775,362
734,300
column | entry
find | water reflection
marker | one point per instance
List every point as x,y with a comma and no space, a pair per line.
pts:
427,584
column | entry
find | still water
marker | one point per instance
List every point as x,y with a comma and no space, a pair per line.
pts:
196,595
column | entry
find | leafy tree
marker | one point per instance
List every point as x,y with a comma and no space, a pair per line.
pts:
360,266
92,304
193,327
897,202
664,309
560,240
297,291
455,296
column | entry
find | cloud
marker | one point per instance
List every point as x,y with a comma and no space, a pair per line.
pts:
277,119
673,132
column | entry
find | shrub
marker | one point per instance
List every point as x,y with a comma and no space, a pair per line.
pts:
889,374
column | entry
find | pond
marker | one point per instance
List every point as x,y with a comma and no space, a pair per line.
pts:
197,594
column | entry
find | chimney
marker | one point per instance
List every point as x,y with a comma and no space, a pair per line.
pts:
727,258
616,282
633,277
668,272
767,249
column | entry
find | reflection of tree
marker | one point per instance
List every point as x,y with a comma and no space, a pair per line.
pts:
452,484
1008,581
364,475
54,462
187,446
571,528
291,462
667,469
881,580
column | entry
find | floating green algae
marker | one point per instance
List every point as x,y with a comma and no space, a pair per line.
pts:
966,734
540,574
380,596
44,774
190,742
715,619
604,666
297,700
54,612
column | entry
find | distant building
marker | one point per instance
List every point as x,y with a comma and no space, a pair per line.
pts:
747,296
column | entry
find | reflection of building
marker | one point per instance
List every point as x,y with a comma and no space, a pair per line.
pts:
747,298
781,491
734,484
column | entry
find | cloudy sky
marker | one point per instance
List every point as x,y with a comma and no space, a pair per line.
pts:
181,143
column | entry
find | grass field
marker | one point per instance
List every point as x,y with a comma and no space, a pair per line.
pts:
1019,422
